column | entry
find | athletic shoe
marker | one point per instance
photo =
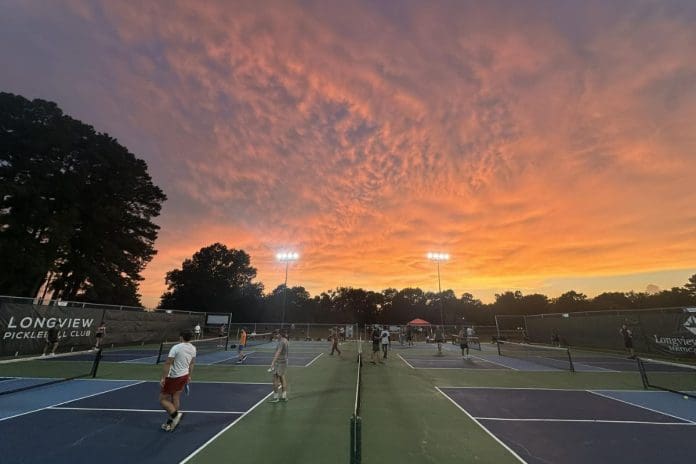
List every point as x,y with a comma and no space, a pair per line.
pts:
274,400
239,361
167,427
284,400
176,420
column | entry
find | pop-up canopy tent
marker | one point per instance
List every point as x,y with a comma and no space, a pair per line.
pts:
419,323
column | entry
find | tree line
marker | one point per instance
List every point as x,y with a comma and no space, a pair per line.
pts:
76,223
220,280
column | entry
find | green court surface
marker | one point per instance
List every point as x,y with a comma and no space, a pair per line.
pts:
404,417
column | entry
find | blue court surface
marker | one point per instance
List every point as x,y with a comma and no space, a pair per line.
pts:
490,360
117,421
542,426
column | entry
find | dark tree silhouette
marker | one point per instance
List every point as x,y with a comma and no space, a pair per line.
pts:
76,207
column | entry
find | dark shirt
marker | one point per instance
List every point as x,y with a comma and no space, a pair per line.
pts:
626,334
375,337
52,335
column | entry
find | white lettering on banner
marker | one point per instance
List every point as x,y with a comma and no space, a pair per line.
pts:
676,344
71,327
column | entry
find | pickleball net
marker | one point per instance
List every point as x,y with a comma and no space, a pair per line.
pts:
20,374
549,356
203,346
668,376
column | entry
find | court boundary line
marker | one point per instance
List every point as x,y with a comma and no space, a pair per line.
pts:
225,429
494,362
60,408
404,360
639,406
482,426
601,421
602,369
232,356
71,400
315,358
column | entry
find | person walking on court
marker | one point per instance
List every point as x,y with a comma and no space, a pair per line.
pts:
628,341
175,376
375,344
384,337
101,331
409,335
279,366
334,344
439,338
464,342
241,357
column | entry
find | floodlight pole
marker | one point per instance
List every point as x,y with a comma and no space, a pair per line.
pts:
285,258
285,293
439,290
437,257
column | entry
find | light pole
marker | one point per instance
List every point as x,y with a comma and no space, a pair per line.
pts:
437,257
287,258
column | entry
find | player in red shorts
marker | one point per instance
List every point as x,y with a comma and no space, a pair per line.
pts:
176,374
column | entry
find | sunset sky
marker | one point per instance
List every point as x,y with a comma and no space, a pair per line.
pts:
545,145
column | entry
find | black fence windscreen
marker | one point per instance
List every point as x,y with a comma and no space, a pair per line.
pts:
669,332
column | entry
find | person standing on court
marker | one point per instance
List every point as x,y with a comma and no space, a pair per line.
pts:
384,337
279,366
175,375
409,335
439,338
334,344
375,344
101,331
240,346
628,341
51,341
464,342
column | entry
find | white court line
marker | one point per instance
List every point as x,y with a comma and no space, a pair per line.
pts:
133,361
603,369
482,426
68,408
603,421
72,399
312,361
638,406
224,430
407,363
493,362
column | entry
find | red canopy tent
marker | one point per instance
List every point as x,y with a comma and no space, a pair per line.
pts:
419,323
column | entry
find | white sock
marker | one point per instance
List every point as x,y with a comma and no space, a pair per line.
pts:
284,394
275,395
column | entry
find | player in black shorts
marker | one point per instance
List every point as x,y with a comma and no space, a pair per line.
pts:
463,343
51,341
628,341
375,344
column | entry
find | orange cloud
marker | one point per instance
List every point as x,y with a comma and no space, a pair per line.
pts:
529,144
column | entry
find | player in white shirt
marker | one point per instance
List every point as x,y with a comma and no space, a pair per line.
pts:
384,337
176,374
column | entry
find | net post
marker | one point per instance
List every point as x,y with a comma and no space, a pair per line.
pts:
643,374
352,439
95,365
570,361
159,353
358,440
